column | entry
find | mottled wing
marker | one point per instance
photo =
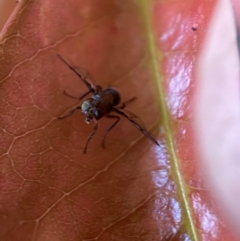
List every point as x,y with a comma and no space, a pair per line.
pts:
134,117
135,121
85,75
81,73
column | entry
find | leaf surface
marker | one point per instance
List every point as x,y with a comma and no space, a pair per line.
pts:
133,190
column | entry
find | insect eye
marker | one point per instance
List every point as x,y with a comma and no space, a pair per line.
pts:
85,106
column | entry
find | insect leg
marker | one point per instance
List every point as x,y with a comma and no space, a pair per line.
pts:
83,78
110,128
125,103
77,98
70,113
90,137
148,135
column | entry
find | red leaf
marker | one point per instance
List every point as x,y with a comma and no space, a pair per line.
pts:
133,190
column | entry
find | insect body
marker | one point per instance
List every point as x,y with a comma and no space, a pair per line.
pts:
101,104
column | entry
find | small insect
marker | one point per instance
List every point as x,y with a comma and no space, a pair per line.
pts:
101,104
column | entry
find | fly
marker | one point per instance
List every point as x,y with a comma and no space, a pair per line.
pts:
101,104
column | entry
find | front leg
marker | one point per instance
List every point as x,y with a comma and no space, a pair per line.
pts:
90,137
110,128
70,113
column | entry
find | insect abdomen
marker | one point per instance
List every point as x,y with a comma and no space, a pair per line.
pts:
115,94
